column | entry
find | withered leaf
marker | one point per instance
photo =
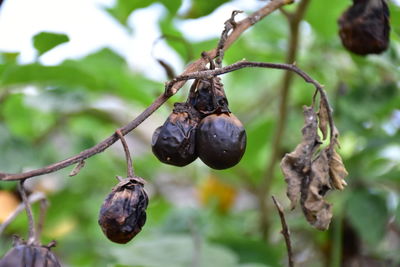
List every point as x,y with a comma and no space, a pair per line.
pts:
296,165
323,118
77,168
316,210
337,171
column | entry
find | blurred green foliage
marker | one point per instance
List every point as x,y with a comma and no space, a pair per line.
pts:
48,113
45,41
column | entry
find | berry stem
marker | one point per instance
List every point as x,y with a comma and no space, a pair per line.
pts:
32,239
130,171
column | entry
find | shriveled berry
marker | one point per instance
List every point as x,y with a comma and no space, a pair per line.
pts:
364,27
208,101
221,140
23,255
123,212
174,142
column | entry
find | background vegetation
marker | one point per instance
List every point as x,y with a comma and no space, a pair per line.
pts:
198,216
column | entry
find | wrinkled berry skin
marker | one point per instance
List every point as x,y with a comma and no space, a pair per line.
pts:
207,101
174,142
221,140
364,27
123,212
23,255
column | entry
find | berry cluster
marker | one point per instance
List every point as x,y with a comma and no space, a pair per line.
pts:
203,127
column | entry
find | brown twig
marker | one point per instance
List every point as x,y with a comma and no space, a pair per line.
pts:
230,25
100,147
206,74
32,239
285,231
128,158
172,88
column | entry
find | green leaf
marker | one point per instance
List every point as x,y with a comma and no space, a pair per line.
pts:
394,16
258,133
45,41
175,38
172,5
112,74
15,152
173,251
123,9
323,16
24,121
397,215
201,8
46,75
368,214
101,71
252,251
8,57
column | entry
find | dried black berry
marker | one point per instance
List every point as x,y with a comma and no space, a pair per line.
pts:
174,142
210,99
123,212
364,27
221,140
24,255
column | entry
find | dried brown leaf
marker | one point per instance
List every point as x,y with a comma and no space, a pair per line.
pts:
317,211
323,119
77,168
293,177
297,164
337,171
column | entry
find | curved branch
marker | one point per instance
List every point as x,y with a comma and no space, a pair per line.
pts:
100,147
172,88
156,104
32,238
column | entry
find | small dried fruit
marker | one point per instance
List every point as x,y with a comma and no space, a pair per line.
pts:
364,27
23,255
123,212
221,140
174,142
210,99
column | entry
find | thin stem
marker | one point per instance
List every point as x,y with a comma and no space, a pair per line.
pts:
230,24
42,215
205,74
285,232
32,239
129,164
